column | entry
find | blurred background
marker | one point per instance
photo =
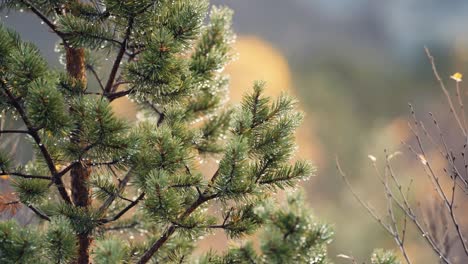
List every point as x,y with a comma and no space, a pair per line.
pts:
355,65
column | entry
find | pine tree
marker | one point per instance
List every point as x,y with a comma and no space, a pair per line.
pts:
96,176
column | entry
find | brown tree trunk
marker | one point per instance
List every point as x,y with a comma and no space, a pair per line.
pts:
79,173
81,197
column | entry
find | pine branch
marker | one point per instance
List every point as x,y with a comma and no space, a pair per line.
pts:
56,179
123,50
81,32
202,198
179,88
262,171
170,230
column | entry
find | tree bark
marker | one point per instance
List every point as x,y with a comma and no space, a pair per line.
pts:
79,173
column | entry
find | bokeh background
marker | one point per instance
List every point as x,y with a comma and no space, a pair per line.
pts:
354,65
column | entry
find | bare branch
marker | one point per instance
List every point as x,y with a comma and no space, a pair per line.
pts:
117,216
116,95
39,213
358,198
408,213
120,54
26,176
12,131
440,191
66,169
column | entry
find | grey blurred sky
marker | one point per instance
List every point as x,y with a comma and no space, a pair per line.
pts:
301,27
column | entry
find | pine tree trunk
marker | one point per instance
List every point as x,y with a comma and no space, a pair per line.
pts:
79,173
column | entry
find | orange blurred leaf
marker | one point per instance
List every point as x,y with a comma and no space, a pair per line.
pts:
9,203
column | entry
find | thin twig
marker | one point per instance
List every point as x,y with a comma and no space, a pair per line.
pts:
460,104
358,198
444,89
128,207
120,54
410,215
39,213
121,187
442,194
394,226
96,76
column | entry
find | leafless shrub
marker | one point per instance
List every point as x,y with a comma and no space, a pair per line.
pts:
440,224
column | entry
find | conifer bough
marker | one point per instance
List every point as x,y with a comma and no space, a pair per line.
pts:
112,191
